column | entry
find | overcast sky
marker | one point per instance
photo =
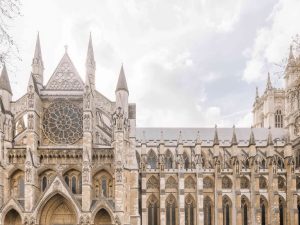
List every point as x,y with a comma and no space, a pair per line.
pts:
190,63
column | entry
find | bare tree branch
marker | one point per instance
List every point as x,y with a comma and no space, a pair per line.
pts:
9,10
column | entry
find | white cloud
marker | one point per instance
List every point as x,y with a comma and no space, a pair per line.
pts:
272,41
177,54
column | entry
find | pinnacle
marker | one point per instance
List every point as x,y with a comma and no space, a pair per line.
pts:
38,52
252,138
90,59
216,138
122,83
269,83
4,80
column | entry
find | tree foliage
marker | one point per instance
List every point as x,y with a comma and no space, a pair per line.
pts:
9,10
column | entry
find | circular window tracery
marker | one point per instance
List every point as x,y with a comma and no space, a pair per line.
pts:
62,123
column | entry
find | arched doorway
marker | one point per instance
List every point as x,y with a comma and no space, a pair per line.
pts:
12,218
102,218
58,211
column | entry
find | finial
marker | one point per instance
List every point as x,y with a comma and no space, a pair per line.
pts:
66,48
198,140
252,138
234,139
269,84
256,95
216,138
270,139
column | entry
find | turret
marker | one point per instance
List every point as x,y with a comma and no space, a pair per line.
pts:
37,64
5,89
122,93
90,65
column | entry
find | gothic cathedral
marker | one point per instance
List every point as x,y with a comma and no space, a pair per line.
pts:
71,156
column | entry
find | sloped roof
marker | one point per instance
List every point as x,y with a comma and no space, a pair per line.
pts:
189,136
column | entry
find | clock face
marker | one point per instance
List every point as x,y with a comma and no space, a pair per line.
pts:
62,123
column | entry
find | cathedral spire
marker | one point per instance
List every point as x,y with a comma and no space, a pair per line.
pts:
4,80
122,83
37,63
90,64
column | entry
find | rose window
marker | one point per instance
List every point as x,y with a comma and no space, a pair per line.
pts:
62,123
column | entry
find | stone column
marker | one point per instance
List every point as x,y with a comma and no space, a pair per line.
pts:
218,200
30,178
162,199
87,181
200,212
273,201
144,200
181,202
237,182
291,196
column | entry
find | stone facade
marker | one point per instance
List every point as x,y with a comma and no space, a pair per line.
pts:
70,156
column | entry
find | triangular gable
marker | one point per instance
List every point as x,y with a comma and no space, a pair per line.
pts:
65,77
57,186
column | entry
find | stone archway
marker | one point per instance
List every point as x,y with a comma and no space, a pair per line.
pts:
102,218
12,218
58,211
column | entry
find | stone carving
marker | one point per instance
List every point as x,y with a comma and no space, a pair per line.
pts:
84,220
297,126
86,172
189,183
119,176
62,123
171,183
65,78
153,183
226,183
245,184
28,172
262,183
208,183
87,122
119,119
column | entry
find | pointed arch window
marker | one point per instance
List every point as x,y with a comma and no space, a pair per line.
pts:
207,211
21,187
104,186
67,180
152,160
244,206
298,207
171,210
153,211
281,211
263,207
278,119
168,160
74,185
189,210
44,183
226,211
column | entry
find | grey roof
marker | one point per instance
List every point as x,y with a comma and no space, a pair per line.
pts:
122,84
4,80
189,136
